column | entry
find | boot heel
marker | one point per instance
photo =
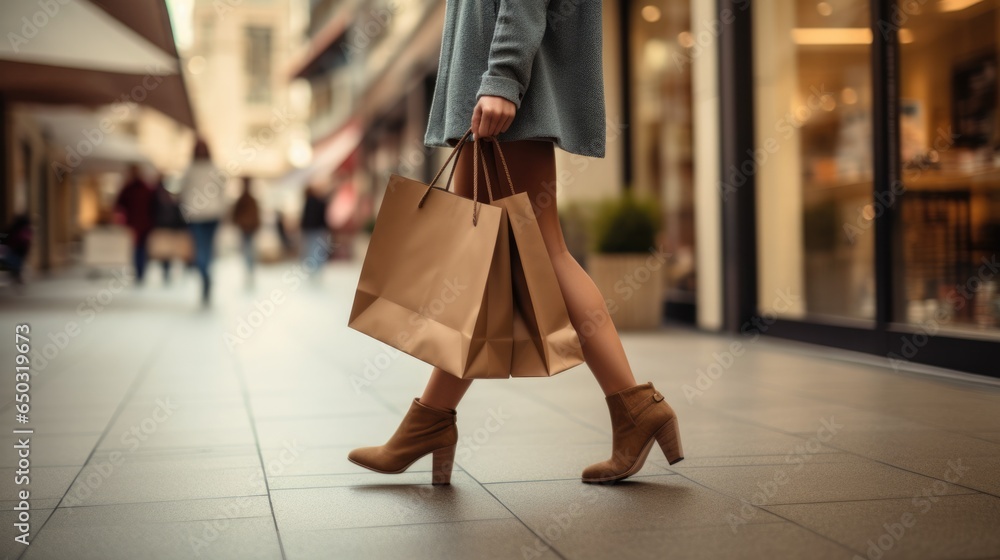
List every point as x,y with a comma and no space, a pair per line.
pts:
444,460
669,438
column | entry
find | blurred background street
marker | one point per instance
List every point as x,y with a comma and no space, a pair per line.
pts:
796,227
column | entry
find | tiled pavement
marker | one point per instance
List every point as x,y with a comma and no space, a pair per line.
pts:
155,440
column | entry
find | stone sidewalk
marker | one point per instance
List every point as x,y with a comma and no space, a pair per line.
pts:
165,431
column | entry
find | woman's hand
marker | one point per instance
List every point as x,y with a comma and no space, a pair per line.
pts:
492,116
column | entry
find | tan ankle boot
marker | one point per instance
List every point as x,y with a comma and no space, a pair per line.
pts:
639,417
423,430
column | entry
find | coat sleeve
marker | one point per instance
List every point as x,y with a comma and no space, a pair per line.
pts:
516,38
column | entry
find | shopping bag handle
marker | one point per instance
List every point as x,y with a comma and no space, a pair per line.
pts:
503,160
454,152
477,160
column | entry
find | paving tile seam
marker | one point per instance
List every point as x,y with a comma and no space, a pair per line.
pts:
724,411
198,520
970,492
396,525
237,370
64,434
872,459
45,380
752,455
369,486
721,493
883,499
698,526
275,479
688,467
408,471
575,478
144,369
179,500
570,415
855,358
971,435
977,387
366,472
351,416
151,452
820,397
542,538
428,484
820,535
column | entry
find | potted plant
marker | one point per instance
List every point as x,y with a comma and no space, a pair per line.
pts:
626,264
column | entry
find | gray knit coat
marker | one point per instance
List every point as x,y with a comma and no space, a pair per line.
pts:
543,55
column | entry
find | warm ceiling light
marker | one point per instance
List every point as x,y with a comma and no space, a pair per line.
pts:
824,8
955,5
197,64
905,36
849,96
651,13
685,39
832,36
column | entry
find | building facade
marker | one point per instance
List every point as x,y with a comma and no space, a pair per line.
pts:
70,124
248,112
860,176
828,171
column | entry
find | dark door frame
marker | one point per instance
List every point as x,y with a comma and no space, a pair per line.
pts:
899,343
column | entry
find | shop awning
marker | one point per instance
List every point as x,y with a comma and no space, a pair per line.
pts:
112,153
398,64
82,54
328,155
321,44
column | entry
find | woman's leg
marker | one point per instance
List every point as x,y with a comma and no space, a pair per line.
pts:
204,244
533,170
199,237
443,389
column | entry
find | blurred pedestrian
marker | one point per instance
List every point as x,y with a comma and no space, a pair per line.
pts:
135,204
168,222
203,204
14,246
286,242
246,216
314,231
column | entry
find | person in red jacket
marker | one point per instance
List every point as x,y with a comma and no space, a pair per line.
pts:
135,204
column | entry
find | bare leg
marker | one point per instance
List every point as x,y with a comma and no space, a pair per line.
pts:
443,389
533,170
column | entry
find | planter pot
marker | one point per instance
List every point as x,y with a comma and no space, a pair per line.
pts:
632,286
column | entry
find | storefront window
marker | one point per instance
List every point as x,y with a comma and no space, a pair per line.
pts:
662,162
813,162
950,149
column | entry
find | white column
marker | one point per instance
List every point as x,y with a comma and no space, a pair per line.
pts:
708,199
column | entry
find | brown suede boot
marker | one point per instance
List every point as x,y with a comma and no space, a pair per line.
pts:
639,417
423,430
